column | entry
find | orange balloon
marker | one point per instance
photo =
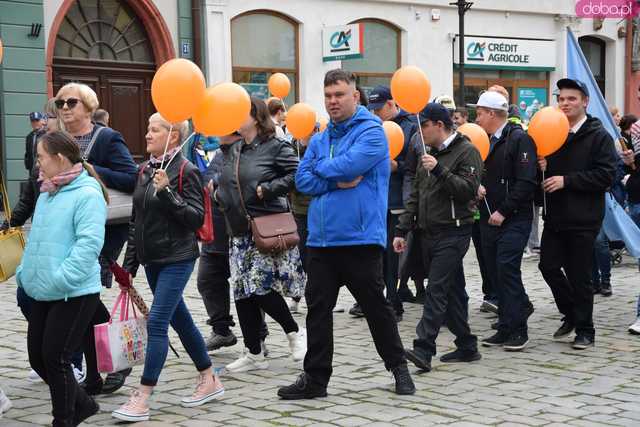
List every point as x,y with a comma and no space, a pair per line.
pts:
301,120
549,129
410,88
223,110
279,85
177,89
395,137
323,123
478,137
0,51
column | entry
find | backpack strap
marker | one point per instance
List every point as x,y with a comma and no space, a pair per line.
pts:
182,166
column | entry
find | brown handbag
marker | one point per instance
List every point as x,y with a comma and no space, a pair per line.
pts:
273,233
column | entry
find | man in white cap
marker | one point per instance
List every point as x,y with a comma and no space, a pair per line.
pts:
508,186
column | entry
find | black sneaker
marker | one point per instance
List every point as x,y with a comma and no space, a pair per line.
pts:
596,287
398,316
530,309
420,296
405,295
404,383
356,311
88,409
497,339
564,330
489,306
516,342
114,381
494,325
605,289
92,389
303,388
216,341
582,342
459,356
418,358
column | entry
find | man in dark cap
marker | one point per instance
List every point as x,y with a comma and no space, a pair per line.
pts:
577,177
440,206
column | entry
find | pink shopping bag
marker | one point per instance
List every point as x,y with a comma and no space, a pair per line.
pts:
121,344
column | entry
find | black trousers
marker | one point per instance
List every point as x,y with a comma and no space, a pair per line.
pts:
56,330
213,285
488,289
566,261
446,300
115,236
303,232
359,268
502,248
391,263
251,316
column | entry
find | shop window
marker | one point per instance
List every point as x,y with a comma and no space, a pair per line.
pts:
594,51
381,54
263,43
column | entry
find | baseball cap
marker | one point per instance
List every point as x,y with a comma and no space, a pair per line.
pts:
36,115
378,97
447,101
492,100
436,112
573,84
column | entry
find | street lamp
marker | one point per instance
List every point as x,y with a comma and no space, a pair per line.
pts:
463,6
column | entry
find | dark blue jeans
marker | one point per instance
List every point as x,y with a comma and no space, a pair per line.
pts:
601,260
391,264
167,282
502,248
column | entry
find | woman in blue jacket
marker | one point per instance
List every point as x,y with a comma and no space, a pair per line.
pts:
60,271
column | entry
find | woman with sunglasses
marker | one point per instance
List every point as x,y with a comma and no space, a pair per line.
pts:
168,209
60,271
257,173
110,157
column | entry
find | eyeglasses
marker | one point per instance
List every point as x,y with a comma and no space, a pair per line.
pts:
71,103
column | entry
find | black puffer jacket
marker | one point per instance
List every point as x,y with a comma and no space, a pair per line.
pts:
587,160
268,162
163,225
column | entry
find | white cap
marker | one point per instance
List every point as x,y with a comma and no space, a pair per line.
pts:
447,101
492,100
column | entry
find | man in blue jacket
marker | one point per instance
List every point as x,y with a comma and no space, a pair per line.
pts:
346,170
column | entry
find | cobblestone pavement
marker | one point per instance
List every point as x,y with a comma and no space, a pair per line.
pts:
548,384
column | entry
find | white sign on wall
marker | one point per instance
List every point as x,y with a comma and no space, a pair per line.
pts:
505,53
342,42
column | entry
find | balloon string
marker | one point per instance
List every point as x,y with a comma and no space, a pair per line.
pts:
424,147
487,205
166,146
181,146
544,195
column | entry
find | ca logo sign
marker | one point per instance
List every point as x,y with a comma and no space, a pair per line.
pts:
340,41
475,51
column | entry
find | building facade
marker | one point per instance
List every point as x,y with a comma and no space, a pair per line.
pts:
116,47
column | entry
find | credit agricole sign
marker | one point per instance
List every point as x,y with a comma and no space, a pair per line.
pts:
507,53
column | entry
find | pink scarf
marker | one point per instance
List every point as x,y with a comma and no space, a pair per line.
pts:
52,185
157,161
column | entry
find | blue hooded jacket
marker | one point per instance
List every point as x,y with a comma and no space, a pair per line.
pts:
343,152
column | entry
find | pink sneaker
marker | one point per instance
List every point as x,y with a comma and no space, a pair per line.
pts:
208,388
136,409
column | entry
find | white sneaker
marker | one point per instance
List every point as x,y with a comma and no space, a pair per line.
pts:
78,374
34,377
298,344
5,403
248,362
635,328
293,306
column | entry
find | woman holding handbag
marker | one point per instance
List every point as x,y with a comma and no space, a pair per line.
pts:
60,271
168,209
258,172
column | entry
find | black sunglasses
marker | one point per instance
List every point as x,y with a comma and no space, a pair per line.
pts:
71,102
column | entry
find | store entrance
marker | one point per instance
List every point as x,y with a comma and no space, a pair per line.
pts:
528,90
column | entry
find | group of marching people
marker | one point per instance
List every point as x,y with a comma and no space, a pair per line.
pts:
355,208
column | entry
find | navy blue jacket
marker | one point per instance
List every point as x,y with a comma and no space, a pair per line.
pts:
409,126
112,161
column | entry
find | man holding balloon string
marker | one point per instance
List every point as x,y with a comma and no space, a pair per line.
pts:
508,186
576,176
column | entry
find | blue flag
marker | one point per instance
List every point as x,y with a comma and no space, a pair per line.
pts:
578,68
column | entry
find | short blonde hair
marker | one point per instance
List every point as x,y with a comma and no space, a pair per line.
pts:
87,95
181,127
